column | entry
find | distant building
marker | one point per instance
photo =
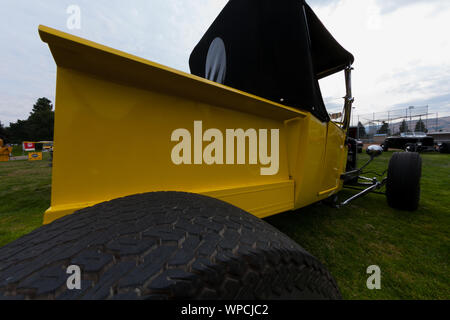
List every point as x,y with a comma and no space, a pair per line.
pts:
440,136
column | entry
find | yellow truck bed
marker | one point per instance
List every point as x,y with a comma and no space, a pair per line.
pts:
115,114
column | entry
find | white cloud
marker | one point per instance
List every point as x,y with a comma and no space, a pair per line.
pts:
164,31
401,51
401,56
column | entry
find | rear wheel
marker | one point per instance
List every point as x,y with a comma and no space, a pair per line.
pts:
403,180
163,245
444,148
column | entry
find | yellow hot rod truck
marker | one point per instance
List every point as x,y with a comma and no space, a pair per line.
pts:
177,212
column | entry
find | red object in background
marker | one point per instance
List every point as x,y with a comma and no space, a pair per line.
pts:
29,146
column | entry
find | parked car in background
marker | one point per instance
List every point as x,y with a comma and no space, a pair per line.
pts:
411,141
441,141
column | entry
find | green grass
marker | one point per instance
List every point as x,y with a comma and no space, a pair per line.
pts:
411,248
24,195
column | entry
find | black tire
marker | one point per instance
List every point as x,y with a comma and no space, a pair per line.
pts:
163,245
403,181
444,148
385,147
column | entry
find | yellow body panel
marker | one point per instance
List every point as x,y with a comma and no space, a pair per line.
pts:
335,159
114,117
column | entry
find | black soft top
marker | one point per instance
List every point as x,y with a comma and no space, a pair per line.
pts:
274,49
328,55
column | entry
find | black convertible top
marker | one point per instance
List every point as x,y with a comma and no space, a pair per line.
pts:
328,55
276,49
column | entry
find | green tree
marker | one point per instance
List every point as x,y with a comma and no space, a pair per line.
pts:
403,126
42,105
420,126
38,126
384,129
41,120
2,131
17,132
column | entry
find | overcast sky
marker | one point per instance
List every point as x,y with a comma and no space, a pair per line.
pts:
401,47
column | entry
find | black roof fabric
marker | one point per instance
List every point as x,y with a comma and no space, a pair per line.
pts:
274,49
328,55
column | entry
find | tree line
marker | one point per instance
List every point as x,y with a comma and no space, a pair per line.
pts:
37,127
384,128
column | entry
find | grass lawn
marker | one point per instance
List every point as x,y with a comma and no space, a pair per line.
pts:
411,248
24,195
